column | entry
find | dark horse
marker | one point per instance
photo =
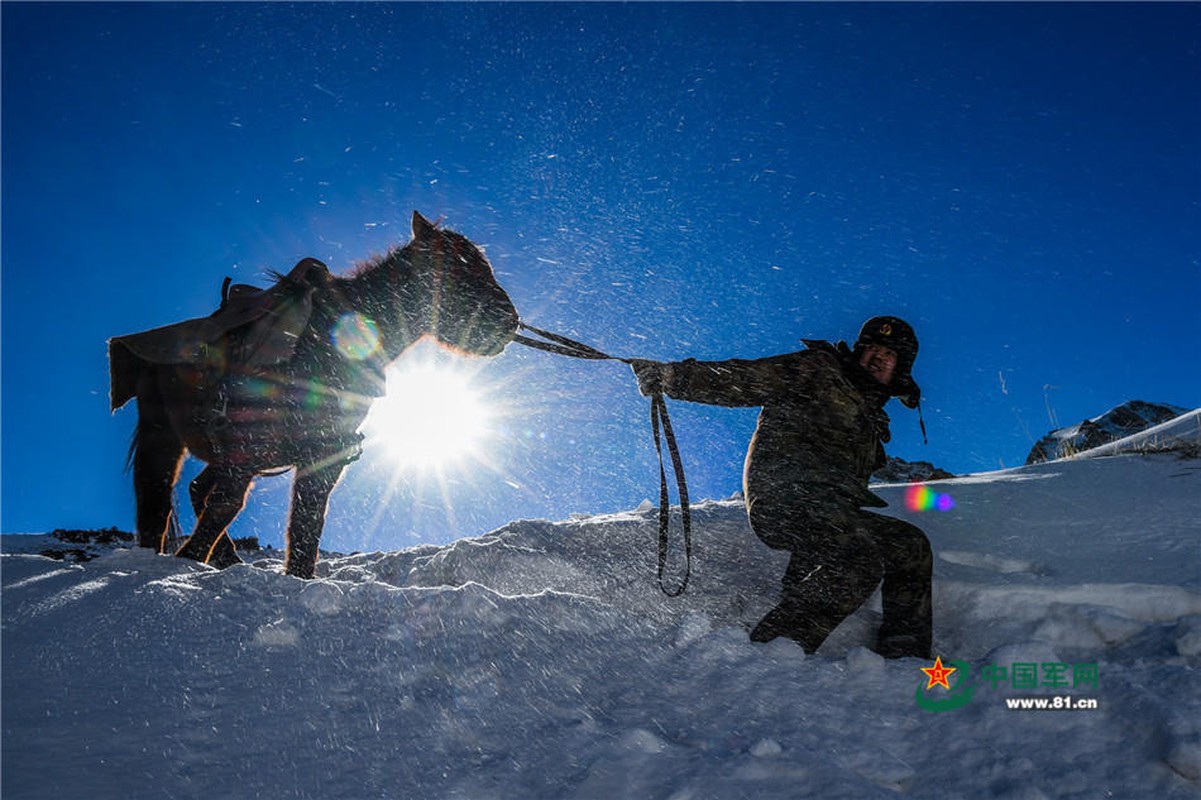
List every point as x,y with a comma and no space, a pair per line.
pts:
283,378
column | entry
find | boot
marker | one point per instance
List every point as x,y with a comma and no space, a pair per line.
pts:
793,622
780,621
903,645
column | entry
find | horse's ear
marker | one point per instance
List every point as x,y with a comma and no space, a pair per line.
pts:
422,227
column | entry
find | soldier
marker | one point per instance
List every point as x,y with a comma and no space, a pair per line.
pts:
819,437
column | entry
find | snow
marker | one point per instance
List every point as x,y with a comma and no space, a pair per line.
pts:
542,661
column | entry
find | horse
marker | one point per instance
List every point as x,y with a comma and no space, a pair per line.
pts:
281,379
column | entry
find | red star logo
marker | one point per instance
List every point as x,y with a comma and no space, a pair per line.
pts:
938,674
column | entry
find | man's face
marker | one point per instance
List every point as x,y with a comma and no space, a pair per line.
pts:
880,362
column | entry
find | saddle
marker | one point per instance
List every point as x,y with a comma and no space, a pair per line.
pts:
268,322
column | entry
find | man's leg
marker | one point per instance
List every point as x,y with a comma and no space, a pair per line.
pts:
907,629
835,567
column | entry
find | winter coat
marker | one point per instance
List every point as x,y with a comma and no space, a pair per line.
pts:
821,427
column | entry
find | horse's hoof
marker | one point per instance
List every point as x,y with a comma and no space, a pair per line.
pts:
224,561
192,553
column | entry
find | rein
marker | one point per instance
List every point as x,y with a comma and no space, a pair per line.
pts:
660,421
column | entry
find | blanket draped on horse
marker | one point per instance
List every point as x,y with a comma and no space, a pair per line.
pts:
272,320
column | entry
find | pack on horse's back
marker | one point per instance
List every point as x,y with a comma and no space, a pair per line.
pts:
266,322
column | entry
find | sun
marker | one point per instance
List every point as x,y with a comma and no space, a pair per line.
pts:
432,416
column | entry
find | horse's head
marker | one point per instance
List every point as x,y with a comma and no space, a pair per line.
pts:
469,311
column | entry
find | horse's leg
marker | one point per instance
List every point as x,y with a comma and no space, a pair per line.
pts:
310,498
199,488
156,455
223,554
209,543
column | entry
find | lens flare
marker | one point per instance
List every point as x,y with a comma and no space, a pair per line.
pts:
355,336
922,498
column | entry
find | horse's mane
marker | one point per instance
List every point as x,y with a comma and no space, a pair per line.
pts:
376,260
371,263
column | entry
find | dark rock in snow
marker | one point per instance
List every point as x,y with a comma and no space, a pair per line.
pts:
81,545
1125,420
898,470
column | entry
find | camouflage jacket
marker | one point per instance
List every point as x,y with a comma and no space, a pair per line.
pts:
821,426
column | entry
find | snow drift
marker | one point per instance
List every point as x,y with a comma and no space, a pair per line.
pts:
541,661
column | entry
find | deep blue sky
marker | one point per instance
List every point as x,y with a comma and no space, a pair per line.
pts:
1021,181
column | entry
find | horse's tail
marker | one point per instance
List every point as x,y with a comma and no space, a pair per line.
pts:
174,532
134,439
126,382
154,457
132,453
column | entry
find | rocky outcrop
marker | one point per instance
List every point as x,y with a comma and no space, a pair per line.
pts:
898,470
1125,420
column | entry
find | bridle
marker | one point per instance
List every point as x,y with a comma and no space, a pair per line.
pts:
660,421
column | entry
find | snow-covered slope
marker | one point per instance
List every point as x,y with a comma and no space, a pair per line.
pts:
542,661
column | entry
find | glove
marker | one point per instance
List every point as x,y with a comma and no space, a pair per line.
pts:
652,375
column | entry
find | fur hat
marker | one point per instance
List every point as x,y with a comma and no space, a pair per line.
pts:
897,335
